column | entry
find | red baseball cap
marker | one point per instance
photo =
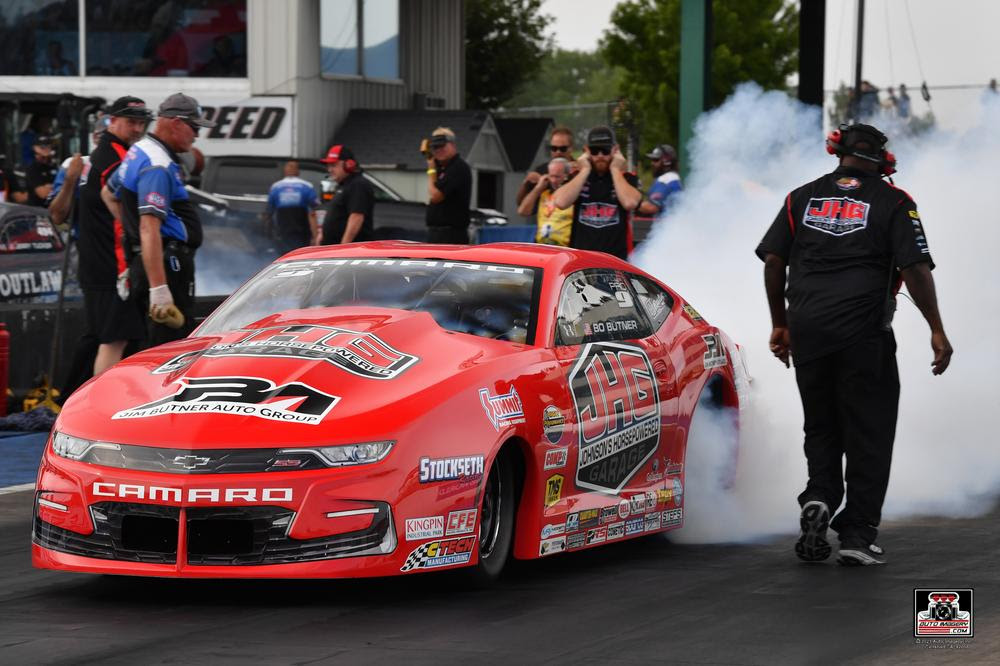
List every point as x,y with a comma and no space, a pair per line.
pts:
338,153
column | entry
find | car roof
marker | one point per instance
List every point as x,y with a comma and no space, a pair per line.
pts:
549,257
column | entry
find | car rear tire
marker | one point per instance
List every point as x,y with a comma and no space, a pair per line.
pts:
496,522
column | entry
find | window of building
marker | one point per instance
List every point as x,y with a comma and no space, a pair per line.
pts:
39,38
360,38
173,38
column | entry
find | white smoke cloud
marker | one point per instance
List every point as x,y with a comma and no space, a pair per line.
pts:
746,156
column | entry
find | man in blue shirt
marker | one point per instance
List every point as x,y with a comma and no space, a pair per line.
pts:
291,210
667,183
162,229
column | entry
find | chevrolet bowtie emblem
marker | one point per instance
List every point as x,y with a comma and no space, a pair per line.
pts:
190,462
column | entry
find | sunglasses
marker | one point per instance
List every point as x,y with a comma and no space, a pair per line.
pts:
599,150
194,128
558,149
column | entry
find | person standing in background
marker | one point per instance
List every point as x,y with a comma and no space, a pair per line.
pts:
350,213
554,224
667,184
560,146
449,187
291,210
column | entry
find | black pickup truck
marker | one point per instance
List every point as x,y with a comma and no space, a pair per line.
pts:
244,181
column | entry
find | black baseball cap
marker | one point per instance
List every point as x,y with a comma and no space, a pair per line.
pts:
180,105
663,151
130,107
601,136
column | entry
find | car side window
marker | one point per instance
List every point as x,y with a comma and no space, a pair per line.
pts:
653,299
28,234
597,305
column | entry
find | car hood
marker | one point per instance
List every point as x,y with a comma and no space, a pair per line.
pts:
305,377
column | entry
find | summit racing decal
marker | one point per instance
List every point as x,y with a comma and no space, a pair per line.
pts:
502,410
836,216
243,396
440,553
362,354
618,409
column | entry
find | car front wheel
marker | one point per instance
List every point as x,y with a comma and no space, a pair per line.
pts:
496,523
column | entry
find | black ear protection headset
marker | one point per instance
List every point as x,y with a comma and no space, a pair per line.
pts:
842,141
350,164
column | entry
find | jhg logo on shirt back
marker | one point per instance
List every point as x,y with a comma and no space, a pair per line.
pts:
362,354
618,411
836,215
243,396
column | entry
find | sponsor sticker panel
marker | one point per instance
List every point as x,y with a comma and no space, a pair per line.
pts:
440,553
419,529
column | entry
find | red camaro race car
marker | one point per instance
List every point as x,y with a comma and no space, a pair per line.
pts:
388,408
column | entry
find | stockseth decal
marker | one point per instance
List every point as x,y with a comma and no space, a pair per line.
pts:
556,458
618,410
502,410
430,527
836,216
461,522
440,553
240,396
447,469
553,489
716,354
552,423
362,354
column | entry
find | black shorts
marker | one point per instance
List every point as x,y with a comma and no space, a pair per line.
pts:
109,318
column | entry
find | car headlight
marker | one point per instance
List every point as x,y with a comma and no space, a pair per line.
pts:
75,448
349,454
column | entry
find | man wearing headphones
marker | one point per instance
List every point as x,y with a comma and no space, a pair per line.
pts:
349,213
849,239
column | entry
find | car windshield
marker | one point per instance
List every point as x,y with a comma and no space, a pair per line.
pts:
489,300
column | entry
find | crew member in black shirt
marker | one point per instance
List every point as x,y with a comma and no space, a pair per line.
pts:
349,215
102,255
41,173
603,196
848,239
449,185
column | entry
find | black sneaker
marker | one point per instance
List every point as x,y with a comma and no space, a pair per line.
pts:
857,553
812,545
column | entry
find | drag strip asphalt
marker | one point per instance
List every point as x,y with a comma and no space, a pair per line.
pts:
647,601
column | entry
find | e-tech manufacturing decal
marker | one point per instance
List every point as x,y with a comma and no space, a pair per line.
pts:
241,396
362,354
618,410
836,216
502,410
441,553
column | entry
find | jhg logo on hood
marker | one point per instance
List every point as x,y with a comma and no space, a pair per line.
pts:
362,354
244,396
176,495
618,409
836,216
502,410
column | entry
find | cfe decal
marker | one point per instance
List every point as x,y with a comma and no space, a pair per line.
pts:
836,215
715,356
502,410
618,411
440,553
242,396
362,354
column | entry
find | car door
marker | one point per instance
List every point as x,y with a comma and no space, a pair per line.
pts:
615,369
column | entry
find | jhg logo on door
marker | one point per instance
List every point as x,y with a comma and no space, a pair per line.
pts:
618,411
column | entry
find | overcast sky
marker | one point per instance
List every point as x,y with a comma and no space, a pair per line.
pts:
956,43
